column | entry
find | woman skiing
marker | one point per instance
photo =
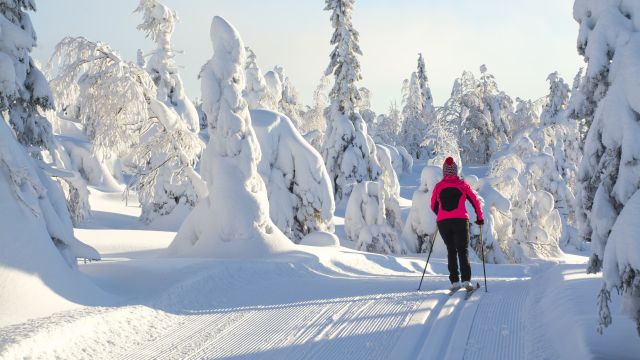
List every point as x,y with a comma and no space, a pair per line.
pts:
448,203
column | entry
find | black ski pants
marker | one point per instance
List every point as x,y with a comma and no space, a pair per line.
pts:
455,233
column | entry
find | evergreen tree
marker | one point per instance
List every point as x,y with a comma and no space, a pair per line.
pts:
609,174
556,100
24,175
414,126
289,103
159,22
348,151
255,92
423,81
161,182
233,219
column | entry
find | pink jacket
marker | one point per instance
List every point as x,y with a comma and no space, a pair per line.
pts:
449,196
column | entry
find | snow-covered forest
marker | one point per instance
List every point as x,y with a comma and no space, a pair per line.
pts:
243,221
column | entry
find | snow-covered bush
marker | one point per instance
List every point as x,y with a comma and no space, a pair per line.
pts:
255,91
366,221
609,174
522,175
496,232
372,217
298,185
348,151
421,222
396,159
407,160
233,219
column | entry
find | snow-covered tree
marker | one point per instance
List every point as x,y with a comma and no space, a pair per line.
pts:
29,197
417,111
255,91
556,100
367,222
106,94
414,125
609,174
423,83
559,137
131,126
364,107
289,103
575,107
523,174
313,119
274,90
525,115
441,140
348,151
160,162
481,113
496,208
158,23
498,104
386,127
233,219
298,185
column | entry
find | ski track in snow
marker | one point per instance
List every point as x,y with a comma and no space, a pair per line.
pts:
412,325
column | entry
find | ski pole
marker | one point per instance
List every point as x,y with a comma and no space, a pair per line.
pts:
433,240
483,266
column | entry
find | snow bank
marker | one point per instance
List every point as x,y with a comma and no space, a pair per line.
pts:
320,238
233,220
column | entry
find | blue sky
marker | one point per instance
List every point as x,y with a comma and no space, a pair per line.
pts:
521,41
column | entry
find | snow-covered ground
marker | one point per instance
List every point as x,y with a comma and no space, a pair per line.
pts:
312,302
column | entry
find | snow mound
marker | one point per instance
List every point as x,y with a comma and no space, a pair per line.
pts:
320,238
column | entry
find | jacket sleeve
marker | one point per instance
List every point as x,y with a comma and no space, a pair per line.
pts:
471,196
434,199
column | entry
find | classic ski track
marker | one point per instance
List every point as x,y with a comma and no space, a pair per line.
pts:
500,324
443,322
362,327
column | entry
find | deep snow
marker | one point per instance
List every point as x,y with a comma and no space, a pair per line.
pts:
312,302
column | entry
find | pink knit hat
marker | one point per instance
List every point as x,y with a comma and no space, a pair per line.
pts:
449,168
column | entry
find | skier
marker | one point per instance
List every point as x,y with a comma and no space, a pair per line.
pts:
448,203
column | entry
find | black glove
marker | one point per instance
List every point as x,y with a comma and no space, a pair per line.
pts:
479,222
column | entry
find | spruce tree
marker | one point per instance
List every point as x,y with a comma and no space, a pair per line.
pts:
348,151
